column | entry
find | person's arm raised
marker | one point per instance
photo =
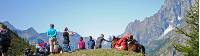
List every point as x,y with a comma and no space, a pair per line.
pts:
106,40
71,33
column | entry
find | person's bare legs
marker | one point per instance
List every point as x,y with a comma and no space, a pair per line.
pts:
4,54
54,50
54,46
51,45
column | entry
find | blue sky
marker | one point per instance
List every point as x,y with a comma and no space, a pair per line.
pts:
87,17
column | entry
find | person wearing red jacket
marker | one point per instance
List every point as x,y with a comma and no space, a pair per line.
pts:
122,43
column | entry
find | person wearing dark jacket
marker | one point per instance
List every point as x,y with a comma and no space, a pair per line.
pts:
91,43
66,40
99,41
5,40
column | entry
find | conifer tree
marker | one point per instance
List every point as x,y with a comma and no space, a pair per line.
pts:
192,43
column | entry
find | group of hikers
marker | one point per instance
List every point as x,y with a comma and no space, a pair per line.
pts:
52,47
126,42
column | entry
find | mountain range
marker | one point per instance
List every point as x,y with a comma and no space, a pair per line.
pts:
157,30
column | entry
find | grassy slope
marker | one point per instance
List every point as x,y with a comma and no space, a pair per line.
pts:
99,52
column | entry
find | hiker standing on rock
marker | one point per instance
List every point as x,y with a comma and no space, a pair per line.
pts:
52,38
66,40
99,41
5,40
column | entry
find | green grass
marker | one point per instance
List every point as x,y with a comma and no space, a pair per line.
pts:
99,52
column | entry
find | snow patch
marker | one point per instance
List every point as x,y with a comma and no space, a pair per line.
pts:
179,18
169,28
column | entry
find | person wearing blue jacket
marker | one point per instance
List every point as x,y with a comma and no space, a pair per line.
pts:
52,37
91,43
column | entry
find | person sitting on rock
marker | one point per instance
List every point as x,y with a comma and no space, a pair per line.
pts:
81,44
91,43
